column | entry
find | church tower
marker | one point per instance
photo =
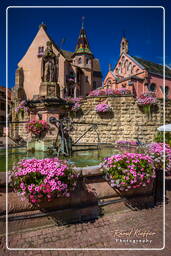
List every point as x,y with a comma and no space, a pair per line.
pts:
83,55
124,45
83,60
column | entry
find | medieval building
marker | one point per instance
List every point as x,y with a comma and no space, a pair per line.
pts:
138,75
48,71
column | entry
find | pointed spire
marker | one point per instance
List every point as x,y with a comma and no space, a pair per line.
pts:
83,18
123,44
43,26
82,46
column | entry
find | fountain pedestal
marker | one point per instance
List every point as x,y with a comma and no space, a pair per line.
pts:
39,145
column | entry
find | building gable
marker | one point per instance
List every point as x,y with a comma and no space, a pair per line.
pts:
127,66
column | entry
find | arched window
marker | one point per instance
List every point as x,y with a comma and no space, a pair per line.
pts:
126,63
133,69
88,61
129,67
152,87
79,61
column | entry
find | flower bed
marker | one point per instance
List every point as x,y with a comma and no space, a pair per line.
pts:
37,127
43,179
156,151
103,108
129,171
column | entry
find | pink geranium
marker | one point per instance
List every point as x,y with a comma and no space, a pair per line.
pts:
48,179
22,107
103,108
37,127
160,152
129,170
146,99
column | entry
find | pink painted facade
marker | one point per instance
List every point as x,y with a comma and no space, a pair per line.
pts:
76,73
138,75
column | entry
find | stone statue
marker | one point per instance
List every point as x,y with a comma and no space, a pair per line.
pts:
49,65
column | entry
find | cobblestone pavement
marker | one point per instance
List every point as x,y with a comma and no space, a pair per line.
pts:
101,233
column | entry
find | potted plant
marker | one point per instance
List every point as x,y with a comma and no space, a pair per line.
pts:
157,152
37,128
146,100
129,173
103,108
22,108
43,180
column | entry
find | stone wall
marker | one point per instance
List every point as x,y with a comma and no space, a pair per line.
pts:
127,121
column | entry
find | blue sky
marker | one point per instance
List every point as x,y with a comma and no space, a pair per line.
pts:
104,27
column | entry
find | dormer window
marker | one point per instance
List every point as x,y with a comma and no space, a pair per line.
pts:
40,51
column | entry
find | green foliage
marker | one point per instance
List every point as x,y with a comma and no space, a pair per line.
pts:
160,137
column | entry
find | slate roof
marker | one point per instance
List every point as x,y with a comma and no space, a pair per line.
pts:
67,54
153,67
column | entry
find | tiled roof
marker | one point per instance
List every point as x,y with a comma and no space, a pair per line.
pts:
153,67
82,46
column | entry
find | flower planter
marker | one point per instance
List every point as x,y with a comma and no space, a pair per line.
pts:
80,197
133,192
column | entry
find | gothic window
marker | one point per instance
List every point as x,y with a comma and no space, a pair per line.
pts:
88,61
129,67
79,61
152,87
119,70
126,63
133,69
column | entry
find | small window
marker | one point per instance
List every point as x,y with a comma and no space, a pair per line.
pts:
152,87
41,49
87,61
79,61
86,79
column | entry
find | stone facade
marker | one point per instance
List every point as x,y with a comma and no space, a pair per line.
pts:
126,121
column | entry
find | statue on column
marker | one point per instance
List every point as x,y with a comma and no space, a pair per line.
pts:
49,65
